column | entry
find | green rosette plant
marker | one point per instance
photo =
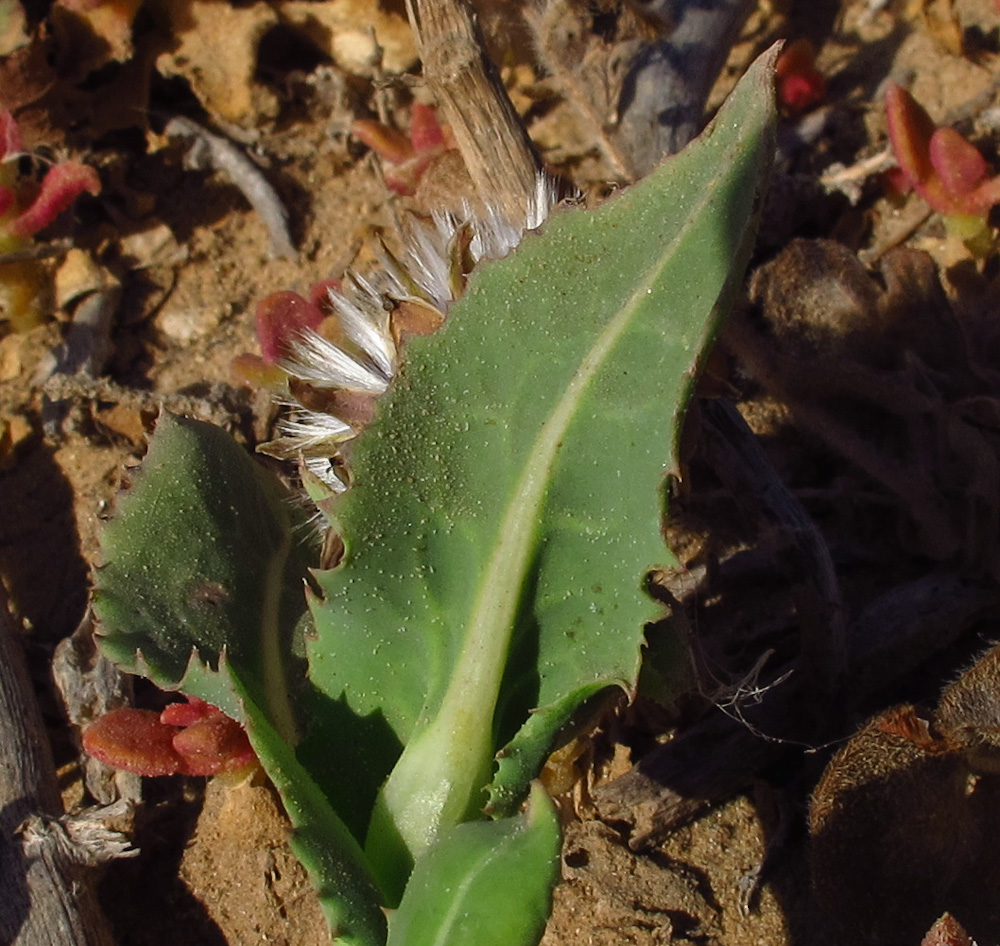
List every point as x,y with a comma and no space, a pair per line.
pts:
505,505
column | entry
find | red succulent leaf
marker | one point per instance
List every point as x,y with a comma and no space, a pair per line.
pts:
10,136
426,133
897,182
800,84
184,714
212,745
7,199
281,317
799,93
134,740
910,131
405,159
60,187
386,142
958,164
192,738
319,294
984,198
944,168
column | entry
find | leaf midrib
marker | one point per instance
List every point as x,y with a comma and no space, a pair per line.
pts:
481,662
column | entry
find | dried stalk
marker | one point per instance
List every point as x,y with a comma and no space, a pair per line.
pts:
45,897
489,133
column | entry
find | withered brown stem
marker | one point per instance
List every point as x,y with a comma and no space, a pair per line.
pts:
45,899
490,135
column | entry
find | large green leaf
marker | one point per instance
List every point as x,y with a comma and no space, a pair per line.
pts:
203,559
485,882
506,509
202,590
506,498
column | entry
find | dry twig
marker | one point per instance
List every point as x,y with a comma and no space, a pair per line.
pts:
45,897
488,131
213,151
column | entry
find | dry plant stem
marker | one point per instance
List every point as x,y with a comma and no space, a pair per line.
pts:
900,630
885,641
719,756
576,83
87,348
680,780
848,180
489,133
917,490
662,105
743,466
44,900
37,251
213,151
913,220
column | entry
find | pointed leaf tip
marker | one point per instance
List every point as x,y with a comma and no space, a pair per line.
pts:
60,187
958,163
910,131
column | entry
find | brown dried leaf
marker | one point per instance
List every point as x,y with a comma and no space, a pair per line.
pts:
969,713
78,275
220,73
898,828
939,21
26,75
348,31
128,421
882,376
891,830
13,432
90,35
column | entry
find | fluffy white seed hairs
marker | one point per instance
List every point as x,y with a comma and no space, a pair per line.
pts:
333,385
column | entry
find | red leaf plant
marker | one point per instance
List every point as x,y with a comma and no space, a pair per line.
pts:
26,208
800,84
281,318
405,159
943,168
192,738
